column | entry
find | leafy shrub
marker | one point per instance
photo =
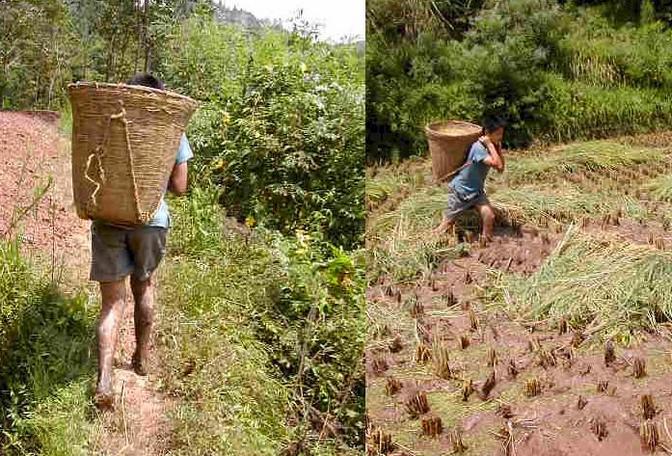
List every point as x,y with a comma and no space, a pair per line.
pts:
282,132
283,317
555,72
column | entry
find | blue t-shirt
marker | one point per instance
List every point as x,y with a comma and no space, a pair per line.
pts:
162,216
469,183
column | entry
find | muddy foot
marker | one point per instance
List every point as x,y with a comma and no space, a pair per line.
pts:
104,399
139,366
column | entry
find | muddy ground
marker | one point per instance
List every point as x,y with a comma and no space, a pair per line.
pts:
556,391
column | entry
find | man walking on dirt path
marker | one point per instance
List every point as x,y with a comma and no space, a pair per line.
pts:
118,252
467,188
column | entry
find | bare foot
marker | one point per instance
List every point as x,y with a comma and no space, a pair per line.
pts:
104,399
139,364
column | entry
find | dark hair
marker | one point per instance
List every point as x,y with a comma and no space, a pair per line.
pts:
147,80
491,124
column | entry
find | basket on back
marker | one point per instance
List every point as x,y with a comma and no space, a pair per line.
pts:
449,143
124,144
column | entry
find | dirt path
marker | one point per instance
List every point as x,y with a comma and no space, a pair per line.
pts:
35,160
139,424
33,157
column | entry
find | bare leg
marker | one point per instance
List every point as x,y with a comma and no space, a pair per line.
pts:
488,218
143,295
113,297
445,225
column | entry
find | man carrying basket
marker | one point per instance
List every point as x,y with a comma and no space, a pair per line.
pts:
467,188
118,252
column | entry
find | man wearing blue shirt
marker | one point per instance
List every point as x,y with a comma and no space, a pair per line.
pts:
467,188
118,252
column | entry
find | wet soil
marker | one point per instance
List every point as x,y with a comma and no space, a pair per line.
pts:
566,367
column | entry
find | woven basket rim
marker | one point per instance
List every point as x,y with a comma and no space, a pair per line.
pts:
138,88
431,128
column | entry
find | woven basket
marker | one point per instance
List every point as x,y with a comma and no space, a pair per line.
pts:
449,143
124,144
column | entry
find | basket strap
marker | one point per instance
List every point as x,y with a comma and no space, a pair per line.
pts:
99,153
452,173
121,116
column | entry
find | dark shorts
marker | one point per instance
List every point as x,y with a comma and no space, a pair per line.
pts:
457,205
118,252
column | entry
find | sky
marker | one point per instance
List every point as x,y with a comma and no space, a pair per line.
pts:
338,18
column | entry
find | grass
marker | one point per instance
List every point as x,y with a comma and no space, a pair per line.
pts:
660,188
600,156
257,336
65,123
602,284
47,367
231,400
384,184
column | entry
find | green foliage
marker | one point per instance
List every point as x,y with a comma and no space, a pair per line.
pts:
284,320
282,130
557,73
36,43
46,367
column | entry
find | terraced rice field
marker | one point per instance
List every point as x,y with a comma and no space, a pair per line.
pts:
553,339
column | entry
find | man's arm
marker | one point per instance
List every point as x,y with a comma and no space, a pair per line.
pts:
178,179
501,155
494,158
177,184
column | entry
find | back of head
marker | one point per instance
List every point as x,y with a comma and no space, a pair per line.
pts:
491,124
146,80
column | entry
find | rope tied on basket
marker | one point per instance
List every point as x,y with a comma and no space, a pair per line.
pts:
99,153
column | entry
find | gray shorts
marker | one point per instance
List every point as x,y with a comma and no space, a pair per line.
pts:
118,252
457,205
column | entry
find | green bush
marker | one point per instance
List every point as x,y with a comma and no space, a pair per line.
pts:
284,320
555,72
282,130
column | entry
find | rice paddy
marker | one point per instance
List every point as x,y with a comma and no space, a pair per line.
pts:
543,339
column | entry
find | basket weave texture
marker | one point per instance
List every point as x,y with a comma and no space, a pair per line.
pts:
449,143
124,143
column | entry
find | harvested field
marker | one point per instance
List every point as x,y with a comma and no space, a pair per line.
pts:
554,338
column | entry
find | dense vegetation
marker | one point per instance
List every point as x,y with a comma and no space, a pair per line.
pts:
557,71
279,145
